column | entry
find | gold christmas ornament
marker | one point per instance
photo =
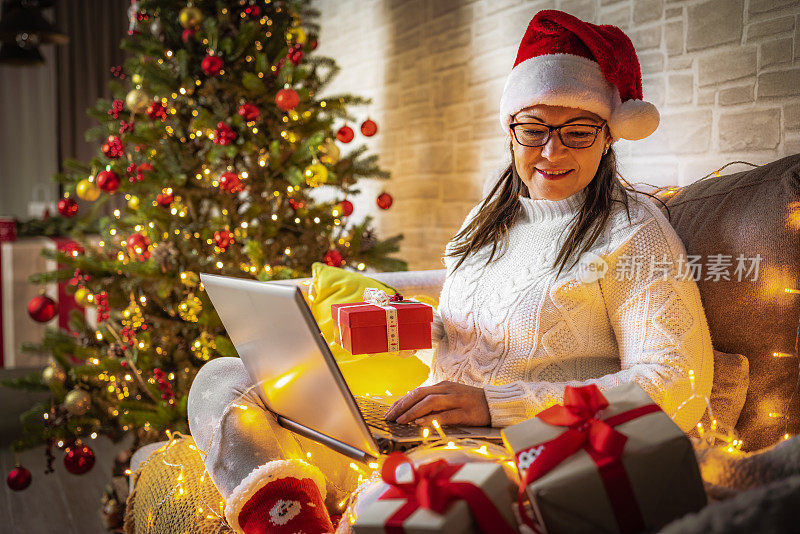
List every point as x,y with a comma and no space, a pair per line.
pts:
189,309
87,190
189,278
133,202
316,174
77,402
328,152
136,78
190,17
296,34
53,374
137,100
84,297
203,346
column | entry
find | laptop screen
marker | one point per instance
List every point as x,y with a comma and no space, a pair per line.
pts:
286,356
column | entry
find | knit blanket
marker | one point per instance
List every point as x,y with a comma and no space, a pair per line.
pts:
748,492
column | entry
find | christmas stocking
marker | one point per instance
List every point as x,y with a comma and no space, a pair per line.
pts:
282,496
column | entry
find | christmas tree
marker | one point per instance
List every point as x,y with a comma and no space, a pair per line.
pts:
216,139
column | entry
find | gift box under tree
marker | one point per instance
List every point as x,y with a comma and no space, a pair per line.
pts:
610,462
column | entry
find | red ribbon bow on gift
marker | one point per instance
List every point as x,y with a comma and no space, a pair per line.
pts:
432,489
585,430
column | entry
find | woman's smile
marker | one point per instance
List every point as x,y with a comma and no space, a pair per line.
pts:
553,174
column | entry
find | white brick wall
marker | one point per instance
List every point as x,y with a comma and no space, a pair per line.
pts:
725,75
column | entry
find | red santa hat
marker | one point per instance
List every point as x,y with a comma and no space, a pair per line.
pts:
564,61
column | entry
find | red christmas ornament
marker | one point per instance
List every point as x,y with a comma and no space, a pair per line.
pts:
287,99
67,207
108,181
345,134
347,208
224,134
223,239
253,11
211,65
313,44
249,111
79,459
385,201
113,148
156,110
164,199
296,205
187,34
72,249
19,478
139,246
230,182
333,258
42,308
369,128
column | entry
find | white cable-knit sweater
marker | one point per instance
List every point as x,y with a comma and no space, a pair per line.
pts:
513,329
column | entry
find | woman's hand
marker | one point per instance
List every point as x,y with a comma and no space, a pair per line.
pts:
449,403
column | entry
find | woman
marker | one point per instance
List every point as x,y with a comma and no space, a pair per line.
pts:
541,291
521,327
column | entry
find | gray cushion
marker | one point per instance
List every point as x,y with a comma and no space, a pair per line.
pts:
729,391
751,213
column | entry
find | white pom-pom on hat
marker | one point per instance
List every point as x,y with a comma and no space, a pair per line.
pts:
633,120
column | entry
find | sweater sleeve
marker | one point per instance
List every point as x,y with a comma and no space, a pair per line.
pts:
659,325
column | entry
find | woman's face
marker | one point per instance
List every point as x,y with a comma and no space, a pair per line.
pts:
533,163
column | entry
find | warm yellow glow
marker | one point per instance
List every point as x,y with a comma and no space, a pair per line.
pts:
285,379
353,466
775,415
373,465
438,429
451,445
482,450
783,354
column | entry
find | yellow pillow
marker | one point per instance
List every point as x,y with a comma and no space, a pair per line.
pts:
372,374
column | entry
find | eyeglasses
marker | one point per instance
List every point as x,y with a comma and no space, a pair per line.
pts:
571,135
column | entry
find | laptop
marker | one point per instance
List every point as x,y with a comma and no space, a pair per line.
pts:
297,377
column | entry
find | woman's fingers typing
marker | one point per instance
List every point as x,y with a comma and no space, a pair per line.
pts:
447,402
430,404
410,399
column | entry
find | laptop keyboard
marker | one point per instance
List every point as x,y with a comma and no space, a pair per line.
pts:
374,413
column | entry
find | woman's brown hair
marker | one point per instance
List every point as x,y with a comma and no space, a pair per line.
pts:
502,207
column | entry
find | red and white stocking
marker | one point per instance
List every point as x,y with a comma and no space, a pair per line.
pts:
282,496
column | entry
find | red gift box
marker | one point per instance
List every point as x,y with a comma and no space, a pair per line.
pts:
361,328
